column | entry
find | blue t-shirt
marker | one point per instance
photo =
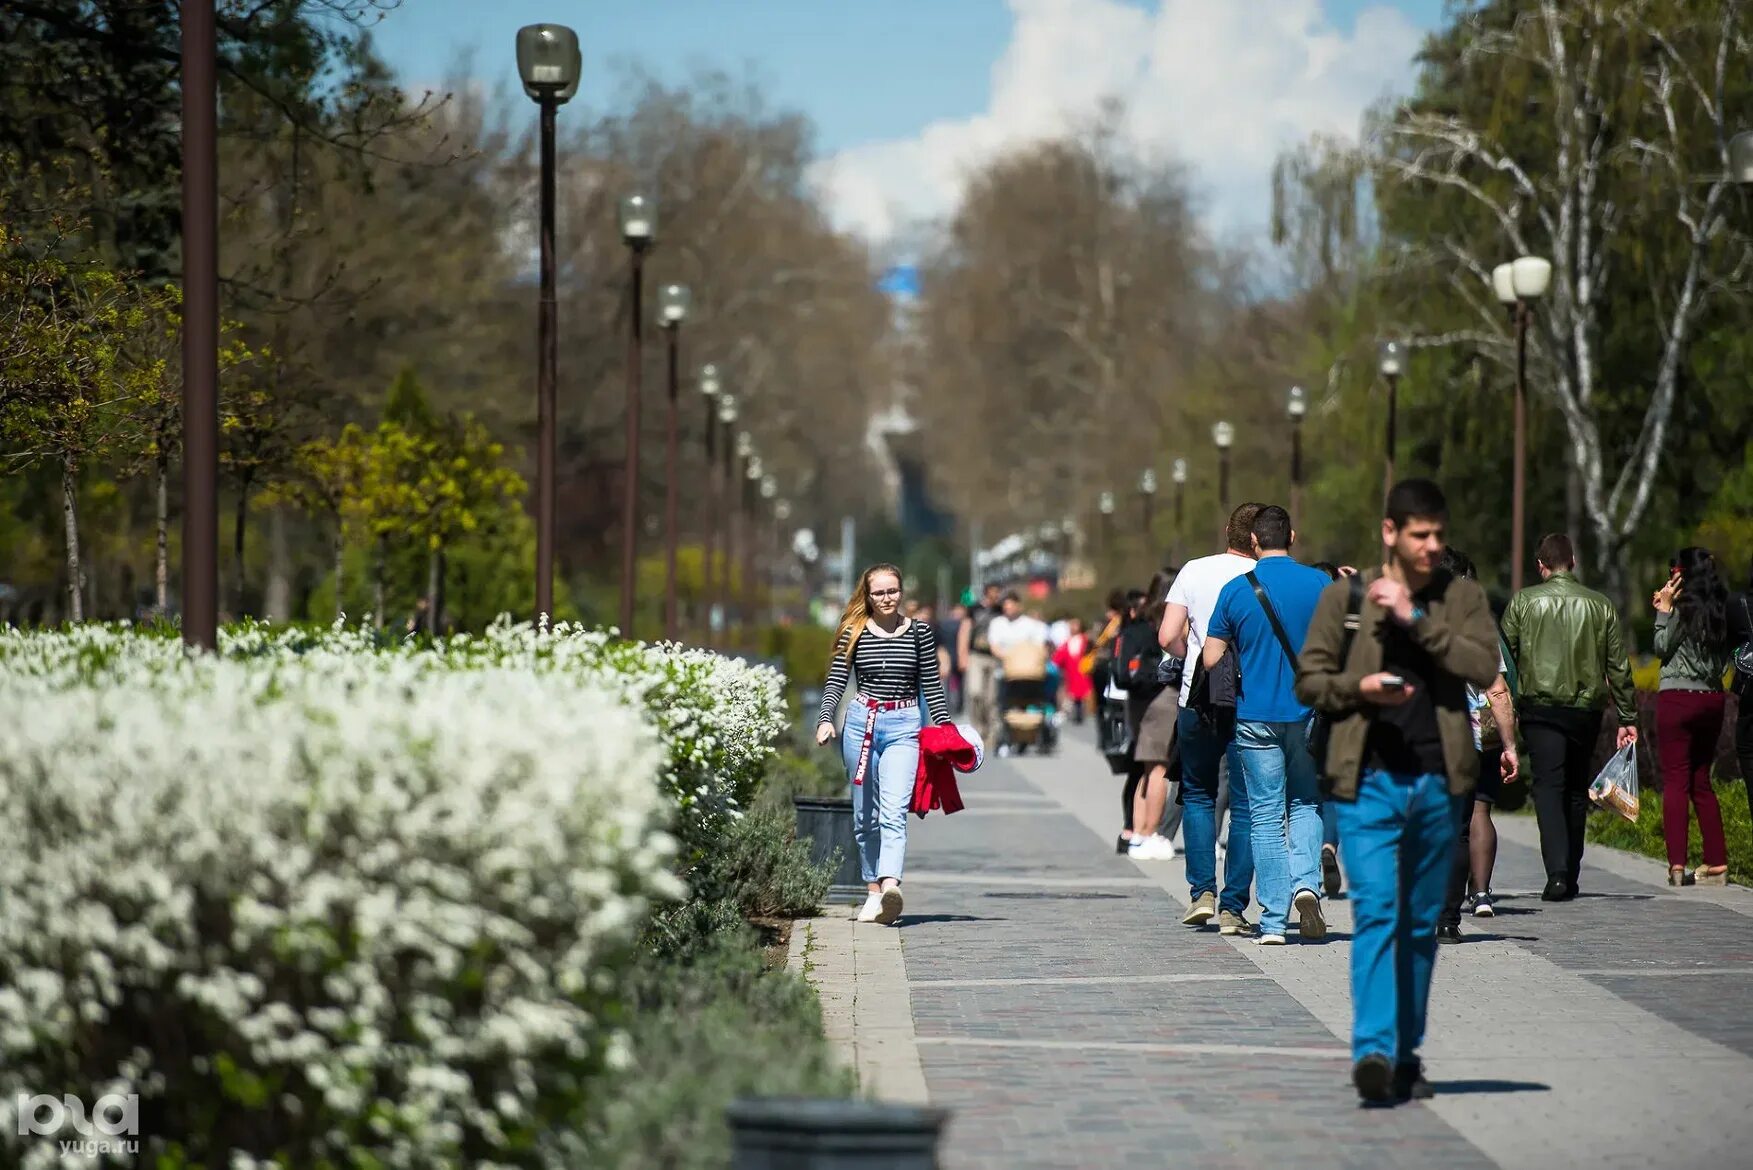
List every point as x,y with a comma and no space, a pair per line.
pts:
1268,693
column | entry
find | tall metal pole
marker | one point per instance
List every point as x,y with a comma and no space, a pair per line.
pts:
1296,470
547,409
735,474
1148,500
751,539
672,426
1223,483
630,488
1388,464
709,537
1518,501
200,584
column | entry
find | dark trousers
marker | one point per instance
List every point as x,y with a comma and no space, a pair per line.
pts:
1461,868
1688,725
1561,746
1744,744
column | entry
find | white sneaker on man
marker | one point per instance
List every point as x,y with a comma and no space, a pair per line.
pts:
1152,848
873,906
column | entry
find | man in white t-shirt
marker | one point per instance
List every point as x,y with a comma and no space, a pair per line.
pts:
1012,627
1205,749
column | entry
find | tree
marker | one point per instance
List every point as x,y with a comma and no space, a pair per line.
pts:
1594,132
328,477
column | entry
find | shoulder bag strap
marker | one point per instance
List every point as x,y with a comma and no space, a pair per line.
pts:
1353,617
1272,616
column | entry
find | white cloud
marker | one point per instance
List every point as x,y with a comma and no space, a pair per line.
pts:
1222,85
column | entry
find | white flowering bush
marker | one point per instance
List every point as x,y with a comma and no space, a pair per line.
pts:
324,902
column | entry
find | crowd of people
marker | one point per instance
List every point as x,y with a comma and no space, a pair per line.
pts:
1353,728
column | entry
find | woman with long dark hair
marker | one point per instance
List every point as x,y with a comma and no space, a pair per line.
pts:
894,659
1152,709
1692,639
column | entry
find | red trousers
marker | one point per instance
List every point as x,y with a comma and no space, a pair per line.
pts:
1688,724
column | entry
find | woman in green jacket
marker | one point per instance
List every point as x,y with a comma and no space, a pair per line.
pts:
1692,639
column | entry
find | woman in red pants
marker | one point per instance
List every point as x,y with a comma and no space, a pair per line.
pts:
1692,638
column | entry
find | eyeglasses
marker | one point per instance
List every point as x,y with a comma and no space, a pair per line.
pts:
885,593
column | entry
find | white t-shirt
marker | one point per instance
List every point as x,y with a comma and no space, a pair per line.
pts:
1005,632
1197,587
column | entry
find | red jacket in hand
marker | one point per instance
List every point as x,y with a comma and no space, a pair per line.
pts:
943,751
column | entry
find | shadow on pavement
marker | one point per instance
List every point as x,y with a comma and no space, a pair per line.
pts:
1457,1088
1036,895
922,919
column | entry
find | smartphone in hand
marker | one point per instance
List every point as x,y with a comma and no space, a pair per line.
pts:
1393,682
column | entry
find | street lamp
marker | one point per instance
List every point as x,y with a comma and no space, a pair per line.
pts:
1296,406
549,64
1147,500
1105,505
1391,363
751,489
724,508
638,232
200,130
673,301
1224,436
709,387
1178,476
1741,158
1518,284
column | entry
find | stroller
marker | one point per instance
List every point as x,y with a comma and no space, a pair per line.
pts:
1026,703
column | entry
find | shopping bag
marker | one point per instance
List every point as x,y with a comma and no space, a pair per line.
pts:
1616,787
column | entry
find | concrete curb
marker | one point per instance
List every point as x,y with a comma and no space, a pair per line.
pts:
860,976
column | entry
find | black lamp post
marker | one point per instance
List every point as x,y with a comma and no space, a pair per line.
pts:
1105,505
724,518
1296,406
1147,503
1392,363
673,303
200,584
770,554
736,466
549,64
751,594
638,231
709,387
1518,284
1178,476
1223,436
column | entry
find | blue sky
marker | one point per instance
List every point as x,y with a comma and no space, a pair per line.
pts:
885,79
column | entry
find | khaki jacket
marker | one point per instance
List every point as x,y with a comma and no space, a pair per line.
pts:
1458,633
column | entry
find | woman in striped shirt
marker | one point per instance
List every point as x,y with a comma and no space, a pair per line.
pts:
895,661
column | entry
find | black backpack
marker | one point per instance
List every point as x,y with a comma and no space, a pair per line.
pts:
1137,660
1213,693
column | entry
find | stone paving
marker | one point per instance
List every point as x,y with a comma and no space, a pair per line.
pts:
1067,1019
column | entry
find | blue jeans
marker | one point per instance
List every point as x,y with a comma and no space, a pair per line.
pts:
879,805
1330,822
1284,814
1202,751
1396,837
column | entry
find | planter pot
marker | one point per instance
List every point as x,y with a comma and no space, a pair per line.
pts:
826,823
784,1133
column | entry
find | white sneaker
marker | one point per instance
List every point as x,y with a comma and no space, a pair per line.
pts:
1152,848
1271,940
873,906
888,906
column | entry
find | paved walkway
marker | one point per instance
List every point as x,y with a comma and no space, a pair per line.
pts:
1064,1015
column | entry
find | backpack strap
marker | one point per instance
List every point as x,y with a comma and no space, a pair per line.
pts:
1353,617
1272,616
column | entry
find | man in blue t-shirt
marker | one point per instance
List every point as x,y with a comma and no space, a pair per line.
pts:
1271,742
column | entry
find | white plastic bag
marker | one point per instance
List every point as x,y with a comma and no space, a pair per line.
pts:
1616,787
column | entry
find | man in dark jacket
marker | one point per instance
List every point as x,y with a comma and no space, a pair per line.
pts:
1400,751
1569,650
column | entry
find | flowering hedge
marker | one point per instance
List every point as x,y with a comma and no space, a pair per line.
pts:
340,904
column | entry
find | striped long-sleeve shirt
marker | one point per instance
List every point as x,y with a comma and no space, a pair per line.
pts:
902,665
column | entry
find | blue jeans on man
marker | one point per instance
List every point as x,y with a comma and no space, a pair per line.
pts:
1284,812
1396,839
1203,748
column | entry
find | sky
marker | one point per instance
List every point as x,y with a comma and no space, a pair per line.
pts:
908,95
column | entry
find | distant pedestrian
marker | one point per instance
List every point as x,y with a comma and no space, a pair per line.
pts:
1499,764
1206,738
1265,614
1741,637
1570,656
1692,640
1070,657
1400,750
1152,708
894,660
979,666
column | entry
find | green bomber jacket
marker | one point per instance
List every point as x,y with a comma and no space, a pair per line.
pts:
1569,648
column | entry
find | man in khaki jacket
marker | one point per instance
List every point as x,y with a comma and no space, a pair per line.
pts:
1399,759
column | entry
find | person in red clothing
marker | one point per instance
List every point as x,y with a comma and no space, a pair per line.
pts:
1075,686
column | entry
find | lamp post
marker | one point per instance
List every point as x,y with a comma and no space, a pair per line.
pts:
549,64
638,231
673,301
751,486
736,463
769,554
1105,505
1296,406
1223,435
1518,284
1391,362
1147,502
1178,476
709,530
724,508
781,563
200,584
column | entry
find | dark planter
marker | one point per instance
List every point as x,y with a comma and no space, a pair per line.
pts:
787,1133
826,823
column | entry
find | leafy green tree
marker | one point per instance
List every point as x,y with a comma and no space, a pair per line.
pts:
328,477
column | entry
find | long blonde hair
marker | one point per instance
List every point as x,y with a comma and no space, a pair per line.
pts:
856,615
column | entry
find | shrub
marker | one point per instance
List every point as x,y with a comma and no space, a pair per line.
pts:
1645,835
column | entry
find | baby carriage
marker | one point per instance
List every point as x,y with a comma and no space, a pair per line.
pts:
1026,702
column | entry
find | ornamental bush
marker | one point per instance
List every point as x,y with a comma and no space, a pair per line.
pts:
327,900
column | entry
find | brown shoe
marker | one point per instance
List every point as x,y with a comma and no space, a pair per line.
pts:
1679,875
1204,909
1705,876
